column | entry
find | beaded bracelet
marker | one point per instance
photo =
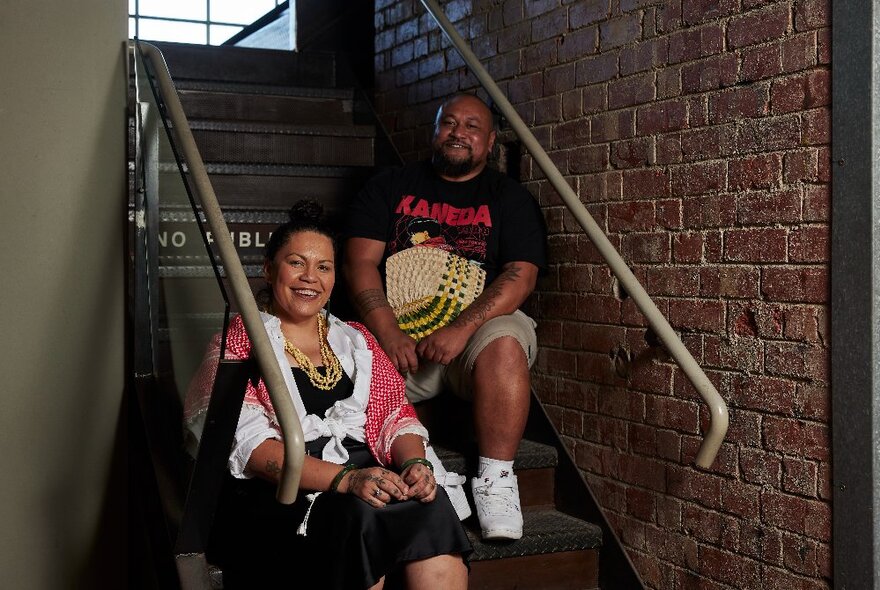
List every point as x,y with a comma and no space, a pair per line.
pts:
420,460
338,479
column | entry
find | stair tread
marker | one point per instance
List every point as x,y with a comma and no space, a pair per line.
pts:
530,455
545,530
187,86
298,170
275,128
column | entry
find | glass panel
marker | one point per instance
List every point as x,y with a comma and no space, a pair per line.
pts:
192,305
220,33
187,9
238,12
132,6
163,30
132,28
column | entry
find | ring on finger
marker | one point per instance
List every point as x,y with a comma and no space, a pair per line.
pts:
376,492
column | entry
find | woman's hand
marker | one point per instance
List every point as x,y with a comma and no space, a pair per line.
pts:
376,486
421,482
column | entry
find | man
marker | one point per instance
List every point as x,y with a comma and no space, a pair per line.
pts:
486,352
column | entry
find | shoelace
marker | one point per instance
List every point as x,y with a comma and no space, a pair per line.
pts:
503,500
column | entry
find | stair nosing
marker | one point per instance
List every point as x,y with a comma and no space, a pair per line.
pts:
272,128
238,169
193,85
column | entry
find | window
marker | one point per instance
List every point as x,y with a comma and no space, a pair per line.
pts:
208,22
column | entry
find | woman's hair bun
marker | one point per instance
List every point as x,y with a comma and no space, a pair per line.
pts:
306,212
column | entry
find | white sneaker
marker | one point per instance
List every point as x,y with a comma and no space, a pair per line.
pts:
496,497
452,482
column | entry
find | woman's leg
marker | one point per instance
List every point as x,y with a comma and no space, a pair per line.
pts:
443,572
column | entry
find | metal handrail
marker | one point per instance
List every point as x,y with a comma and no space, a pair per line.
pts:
291,430
717,408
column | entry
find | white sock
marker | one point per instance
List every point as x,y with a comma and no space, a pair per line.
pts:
488,465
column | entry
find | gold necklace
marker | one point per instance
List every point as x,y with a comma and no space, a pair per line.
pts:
332,368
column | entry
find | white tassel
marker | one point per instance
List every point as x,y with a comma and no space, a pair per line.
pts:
301,530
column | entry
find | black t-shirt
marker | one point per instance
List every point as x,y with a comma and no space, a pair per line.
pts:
490,219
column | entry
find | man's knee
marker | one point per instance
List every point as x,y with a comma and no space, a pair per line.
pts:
503,354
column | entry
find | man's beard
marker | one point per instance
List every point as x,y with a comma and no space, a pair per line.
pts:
451,168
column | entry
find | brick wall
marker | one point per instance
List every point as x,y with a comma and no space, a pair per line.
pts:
697,134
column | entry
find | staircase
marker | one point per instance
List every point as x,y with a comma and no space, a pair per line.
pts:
274,127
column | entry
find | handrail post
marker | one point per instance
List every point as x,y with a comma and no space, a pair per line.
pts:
717,408
294,446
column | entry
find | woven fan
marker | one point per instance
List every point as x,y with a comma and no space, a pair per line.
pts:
428,287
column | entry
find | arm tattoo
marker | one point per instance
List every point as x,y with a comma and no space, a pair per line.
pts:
272,467
370,299
478,311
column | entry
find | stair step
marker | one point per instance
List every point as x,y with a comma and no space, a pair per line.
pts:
545,530
259,143
556,552
247,88
256,66
258,107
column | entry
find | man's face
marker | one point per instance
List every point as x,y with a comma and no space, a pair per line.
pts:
463,138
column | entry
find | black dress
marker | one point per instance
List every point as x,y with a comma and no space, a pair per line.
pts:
349,545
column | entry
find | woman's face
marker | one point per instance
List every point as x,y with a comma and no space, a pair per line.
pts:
302,276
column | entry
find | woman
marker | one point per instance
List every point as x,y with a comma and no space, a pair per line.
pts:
369,501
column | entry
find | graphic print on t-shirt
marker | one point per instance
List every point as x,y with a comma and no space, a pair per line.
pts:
463,231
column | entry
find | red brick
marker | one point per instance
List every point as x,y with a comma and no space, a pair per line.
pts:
817,203
708,143
645,183
760,171
669,213
816,127
632,153
600,68
577,44
758,63
631,91
755,245
643,472
741,499
587,13
759,467
806,323
668,149
525,88
798,515
534,58
695,12
768,134
612,126
676,414
799,477
765,394
687,247
514,37
700,315
812,14
709,74
799,52
571,134
779,579
646,248
810,440
809,244
630,216
598,308
731,105
679,281
619,31
801,165
572,104
761,542
643,56
799,285
641,504
548,25
730,281
662,117
668,83
729,568
759,26
700,178
798,360
691,44
804,91
769,207
706,212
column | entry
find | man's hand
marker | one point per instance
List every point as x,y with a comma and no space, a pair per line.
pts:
401,349
444,344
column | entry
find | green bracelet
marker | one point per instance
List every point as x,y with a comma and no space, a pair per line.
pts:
420,460
338,479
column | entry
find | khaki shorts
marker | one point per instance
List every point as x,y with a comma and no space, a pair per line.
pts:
432,378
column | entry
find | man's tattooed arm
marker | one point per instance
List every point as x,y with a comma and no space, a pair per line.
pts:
370,299
478,311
